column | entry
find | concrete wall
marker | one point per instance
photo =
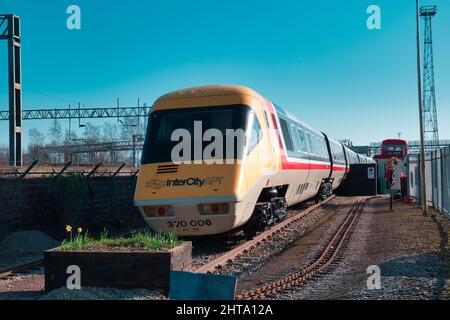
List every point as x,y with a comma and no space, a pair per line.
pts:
48,204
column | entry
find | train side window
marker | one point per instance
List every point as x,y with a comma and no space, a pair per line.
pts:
335,153
301,135
323,149
286,135
318,146
313,144
295,139
338,155
310,143
326,156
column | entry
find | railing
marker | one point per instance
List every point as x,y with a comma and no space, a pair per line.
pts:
80,113
437,171
48,171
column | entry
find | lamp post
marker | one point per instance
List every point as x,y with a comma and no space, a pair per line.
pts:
423,190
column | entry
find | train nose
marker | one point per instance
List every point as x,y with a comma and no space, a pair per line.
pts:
191,217
188,210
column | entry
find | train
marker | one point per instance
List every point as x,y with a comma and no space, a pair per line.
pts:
273,161
391,148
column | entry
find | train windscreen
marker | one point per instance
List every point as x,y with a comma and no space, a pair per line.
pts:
159,141
394,150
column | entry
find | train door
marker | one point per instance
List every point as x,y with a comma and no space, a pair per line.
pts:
307,149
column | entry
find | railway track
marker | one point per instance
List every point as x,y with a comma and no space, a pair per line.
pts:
322,264
8,273
215,264
232,255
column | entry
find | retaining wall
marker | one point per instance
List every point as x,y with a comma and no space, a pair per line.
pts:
48,204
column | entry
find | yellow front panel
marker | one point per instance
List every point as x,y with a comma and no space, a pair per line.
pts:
189,181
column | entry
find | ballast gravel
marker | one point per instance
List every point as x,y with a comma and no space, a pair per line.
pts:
410,250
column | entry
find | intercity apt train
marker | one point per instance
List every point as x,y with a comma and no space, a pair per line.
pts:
193,181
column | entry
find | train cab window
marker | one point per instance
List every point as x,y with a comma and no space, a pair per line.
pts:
286,135
158,144
255,131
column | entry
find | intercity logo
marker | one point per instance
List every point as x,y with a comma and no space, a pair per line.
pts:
186,182
155,184
158,184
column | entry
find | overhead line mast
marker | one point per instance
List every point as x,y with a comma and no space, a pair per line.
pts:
431,131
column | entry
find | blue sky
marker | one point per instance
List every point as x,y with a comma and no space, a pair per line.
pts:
317,59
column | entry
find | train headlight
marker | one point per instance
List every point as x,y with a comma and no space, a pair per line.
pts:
158,211
213,208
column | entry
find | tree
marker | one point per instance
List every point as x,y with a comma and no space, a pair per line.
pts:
130,127
55,134
37,141
110,132
4,155
37,138
92,132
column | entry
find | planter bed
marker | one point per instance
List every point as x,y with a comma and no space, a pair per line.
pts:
118,269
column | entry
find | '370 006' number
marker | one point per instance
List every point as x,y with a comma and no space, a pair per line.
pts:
184,224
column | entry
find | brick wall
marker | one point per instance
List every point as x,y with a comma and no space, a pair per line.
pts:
48,204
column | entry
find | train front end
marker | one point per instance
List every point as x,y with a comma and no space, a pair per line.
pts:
191,180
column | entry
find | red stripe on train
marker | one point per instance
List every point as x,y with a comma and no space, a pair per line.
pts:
284,163
305,166
336,168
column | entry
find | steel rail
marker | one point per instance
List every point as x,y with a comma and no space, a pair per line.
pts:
4,274
235,253
320,265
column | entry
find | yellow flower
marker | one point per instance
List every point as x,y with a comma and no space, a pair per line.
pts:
68,228
80,230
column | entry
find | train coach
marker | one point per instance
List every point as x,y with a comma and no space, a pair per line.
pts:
248,183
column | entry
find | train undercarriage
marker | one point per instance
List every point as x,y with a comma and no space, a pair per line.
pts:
325,190
271,207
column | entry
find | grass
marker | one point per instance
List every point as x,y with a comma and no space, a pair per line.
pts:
141,240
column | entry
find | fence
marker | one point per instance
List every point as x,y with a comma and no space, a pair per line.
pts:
437,171
48,204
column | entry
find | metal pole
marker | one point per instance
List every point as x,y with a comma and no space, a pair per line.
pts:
390,199
134,150
422,147
15,88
